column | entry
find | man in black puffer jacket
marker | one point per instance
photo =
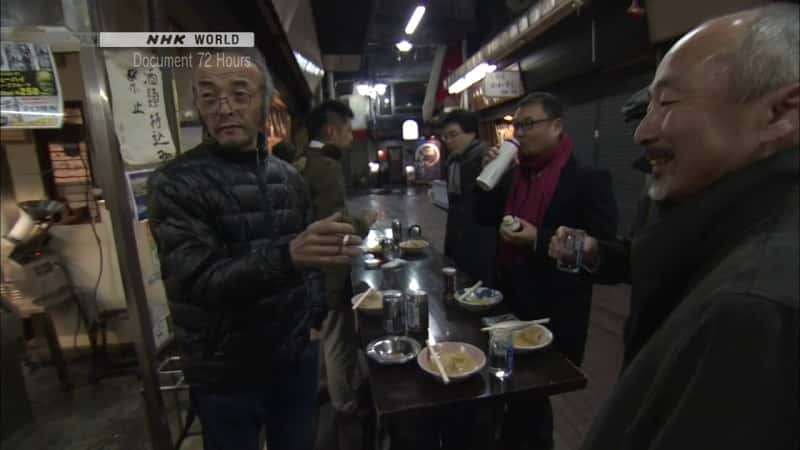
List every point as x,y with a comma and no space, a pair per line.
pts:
240,266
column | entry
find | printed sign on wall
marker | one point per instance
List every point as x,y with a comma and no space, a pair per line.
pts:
503,84
30,95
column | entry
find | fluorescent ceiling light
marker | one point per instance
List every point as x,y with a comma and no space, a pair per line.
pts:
371,91
363,89
404,46
416,16
472,77
307,65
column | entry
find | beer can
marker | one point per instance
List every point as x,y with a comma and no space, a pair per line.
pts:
449,274
394,313
417,311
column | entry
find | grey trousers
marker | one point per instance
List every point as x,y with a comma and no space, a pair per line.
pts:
340,355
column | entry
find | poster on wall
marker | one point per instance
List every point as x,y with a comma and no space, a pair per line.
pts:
159,316
140,115
137,187
155,261
503,84
30,94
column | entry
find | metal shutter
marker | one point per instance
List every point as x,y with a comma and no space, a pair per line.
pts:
615,152
579,124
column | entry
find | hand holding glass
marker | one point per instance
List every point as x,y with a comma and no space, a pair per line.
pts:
570,258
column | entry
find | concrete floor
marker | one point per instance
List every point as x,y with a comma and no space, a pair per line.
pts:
111,416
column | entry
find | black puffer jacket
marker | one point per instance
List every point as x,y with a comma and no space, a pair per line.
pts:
223,221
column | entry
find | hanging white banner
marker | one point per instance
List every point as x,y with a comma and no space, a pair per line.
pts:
140,117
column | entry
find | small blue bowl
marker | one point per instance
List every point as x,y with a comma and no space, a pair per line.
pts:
483,299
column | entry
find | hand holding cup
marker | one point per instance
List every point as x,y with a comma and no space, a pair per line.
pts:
327,242
558,248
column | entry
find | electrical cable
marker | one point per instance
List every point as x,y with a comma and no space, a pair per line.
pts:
89,184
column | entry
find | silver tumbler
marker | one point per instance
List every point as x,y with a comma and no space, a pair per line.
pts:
417,311
397,231
394,312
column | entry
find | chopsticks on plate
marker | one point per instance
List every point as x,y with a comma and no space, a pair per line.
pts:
362,297
469,291
515,324
437,361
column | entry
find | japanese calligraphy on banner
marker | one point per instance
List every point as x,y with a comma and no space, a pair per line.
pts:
140,117
503,84
30,95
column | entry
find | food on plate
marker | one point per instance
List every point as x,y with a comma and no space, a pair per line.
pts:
374,300
414,244
529,337
456,362
374,248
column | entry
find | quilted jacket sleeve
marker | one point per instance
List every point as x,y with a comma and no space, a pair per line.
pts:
197,267
314,279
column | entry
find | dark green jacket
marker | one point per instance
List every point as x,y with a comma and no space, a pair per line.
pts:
325,180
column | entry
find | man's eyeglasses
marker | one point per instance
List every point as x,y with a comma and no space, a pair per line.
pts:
529,124
213,103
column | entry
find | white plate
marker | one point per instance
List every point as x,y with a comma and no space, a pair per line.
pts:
444,347
544,341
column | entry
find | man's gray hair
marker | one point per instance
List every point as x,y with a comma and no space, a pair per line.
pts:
767,58
255,57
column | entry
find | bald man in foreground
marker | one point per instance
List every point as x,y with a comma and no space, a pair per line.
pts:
712,342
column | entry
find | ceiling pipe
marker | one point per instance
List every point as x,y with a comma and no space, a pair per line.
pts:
433,83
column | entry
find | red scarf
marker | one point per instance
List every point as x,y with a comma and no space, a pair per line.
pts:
534,185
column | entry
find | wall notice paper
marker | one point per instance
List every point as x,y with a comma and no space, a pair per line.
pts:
137,186
152,249
503,84
159,316
140,117
30,95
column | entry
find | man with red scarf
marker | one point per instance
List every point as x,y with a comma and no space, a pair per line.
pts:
548,188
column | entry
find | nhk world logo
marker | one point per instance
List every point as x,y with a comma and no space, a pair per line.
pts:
128,40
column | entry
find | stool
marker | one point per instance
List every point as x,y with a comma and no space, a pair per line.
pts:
43,327
102,365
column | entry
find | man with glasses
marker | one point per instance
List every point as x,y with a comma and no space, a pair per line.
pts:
463,165
547,188
239,258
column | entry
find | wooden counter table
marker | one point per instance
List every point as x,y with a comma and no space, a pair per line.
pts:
407,389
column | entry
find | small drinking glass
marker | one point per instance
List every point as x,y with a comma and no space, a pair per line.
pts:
571,257
501,353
